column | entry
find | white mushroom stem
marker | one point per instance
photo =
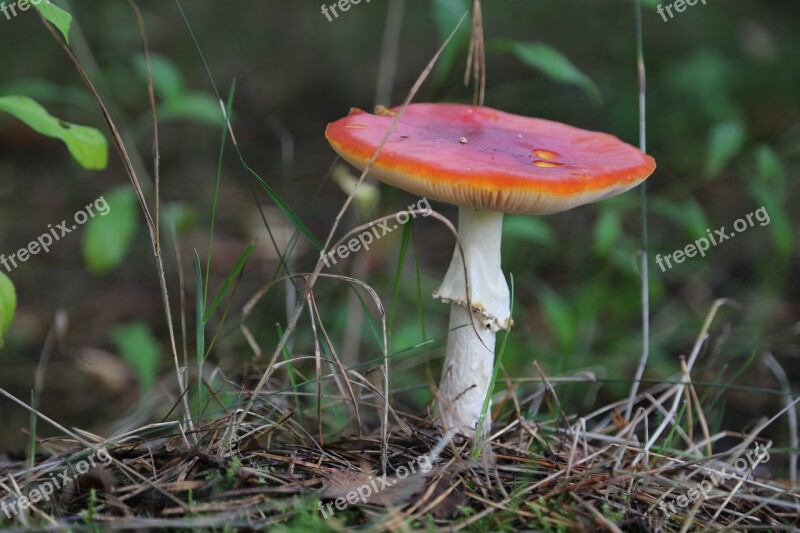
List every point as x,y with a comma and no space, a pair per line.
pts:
469,362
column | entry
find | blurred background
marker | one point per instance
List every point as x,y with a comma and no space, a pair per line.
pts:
723,124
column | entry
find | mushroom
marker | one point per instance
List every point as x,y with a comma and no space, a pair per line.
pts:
487,162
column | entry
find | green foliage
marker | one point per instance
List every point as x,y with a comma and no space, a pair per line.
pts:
367,195
780,225
108,238
551,63
687,214
48,91
768,166
529,230
446,15
8,305
229,280
607,230
91,510
559,316
614,516
769,189
199,323
398,276
725,142
183,215
87,145
167,78
177,102
56,16
137,345
233,470
495,373
199,107
305,516
287,210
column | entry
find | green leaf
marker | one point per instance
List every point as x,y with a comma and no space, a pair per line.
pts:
47,91
87,145
226,285
607,230
8,305
773,213
446,15
56,16
725,141
108,237
558,314
136,343
688,214
768,164
198,107
551,63
366,196
167,78
182,215
530,229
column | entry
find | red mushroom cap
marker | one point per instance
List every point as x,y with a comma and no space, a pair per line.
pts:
489,159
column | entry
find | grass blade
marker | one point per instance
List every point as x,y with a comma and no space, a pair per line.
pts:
217,184
200,329
401,258
283,206
495,371
226,285
420,309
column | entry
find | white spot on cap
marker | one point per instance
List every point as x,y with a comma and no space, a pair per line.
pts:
463,140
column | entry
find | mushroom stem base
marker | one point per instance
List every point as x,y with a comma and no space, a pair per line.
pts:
467,372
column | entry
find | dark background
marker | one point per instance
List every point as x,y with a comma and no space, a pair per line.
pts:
726,66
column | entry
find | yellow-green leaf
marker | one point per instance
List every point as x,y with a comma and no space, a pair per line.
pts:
551,63
56,16
87,145
140,348
8,305
108,238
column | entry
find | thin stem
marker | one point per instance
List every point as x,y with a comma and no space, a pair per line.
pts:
645,272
